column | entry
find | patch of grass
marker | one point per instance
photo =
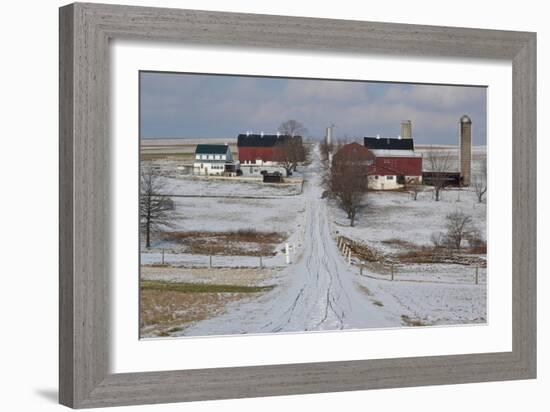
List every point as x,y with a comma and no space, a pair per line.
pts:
246,242
412,322
173,330
242,235
163,286
167,308
480,249
366,290
399,242
439,255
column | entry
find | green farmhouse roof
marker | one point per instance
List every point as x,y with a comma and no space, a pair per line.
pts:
211,149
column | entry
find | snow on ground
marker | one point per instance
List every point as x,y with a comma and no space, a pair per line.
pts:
319,290
394,215
191,260
426,303
217,275
443,273
208,214
479,157
233,187
284,215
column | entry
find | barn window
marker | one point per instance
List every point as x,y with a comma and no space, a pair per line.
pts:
217,157
197,156
389,177
376,177
224,157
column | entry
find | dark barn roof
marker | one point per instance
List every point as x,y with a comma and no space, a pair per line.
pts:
211,149
257,140
375,143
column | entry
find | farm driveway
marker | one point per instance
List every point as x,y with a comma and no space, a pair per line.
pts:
318,291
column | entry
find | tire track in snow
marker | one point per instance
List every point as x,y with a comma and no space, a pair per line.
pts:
318,291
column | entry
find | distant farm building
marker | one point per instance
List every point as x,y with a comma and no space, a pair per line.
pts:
395,162
262,153
213,159
449,178
448,172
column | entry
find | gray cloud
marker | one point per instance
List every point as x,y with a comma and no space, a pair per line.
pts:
187,105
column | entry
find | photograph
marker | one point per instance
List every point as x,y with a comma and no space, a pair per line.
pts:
297,205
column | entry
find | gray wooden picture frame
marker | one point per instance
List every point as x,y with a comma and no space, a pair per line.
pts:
85,31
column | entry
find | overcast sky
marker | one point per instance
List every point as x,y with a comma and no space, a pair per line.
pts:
214,106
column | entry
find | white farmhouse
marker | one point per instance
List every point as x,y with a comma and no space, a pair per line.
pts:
213,159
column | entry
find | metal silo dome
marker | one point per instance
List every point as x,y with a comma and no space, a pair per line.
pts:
465,119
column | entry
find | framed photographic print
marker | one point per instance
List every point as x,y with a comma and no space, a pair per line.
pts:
258,205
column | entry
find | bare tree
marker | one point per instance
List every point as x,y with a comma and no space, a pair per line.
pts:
414,187
480,183
289,152
155,208
439,164
292,128
459,227
348,183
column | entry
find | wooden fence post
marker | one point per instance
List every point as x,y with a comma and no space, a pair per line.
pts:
392,271
477,275
261,263
163,256
210,261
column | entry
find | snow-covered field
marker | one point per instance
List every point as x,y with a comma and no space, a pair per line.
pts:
479,157
188,260
395,216
276,209
427,303
319,290
230,187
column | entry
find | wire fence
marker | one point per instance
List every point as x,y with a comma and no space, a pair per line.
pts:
169,258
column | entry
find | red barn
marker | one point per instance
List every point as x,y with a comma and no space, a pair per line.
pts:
396,163
260,152
258,148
